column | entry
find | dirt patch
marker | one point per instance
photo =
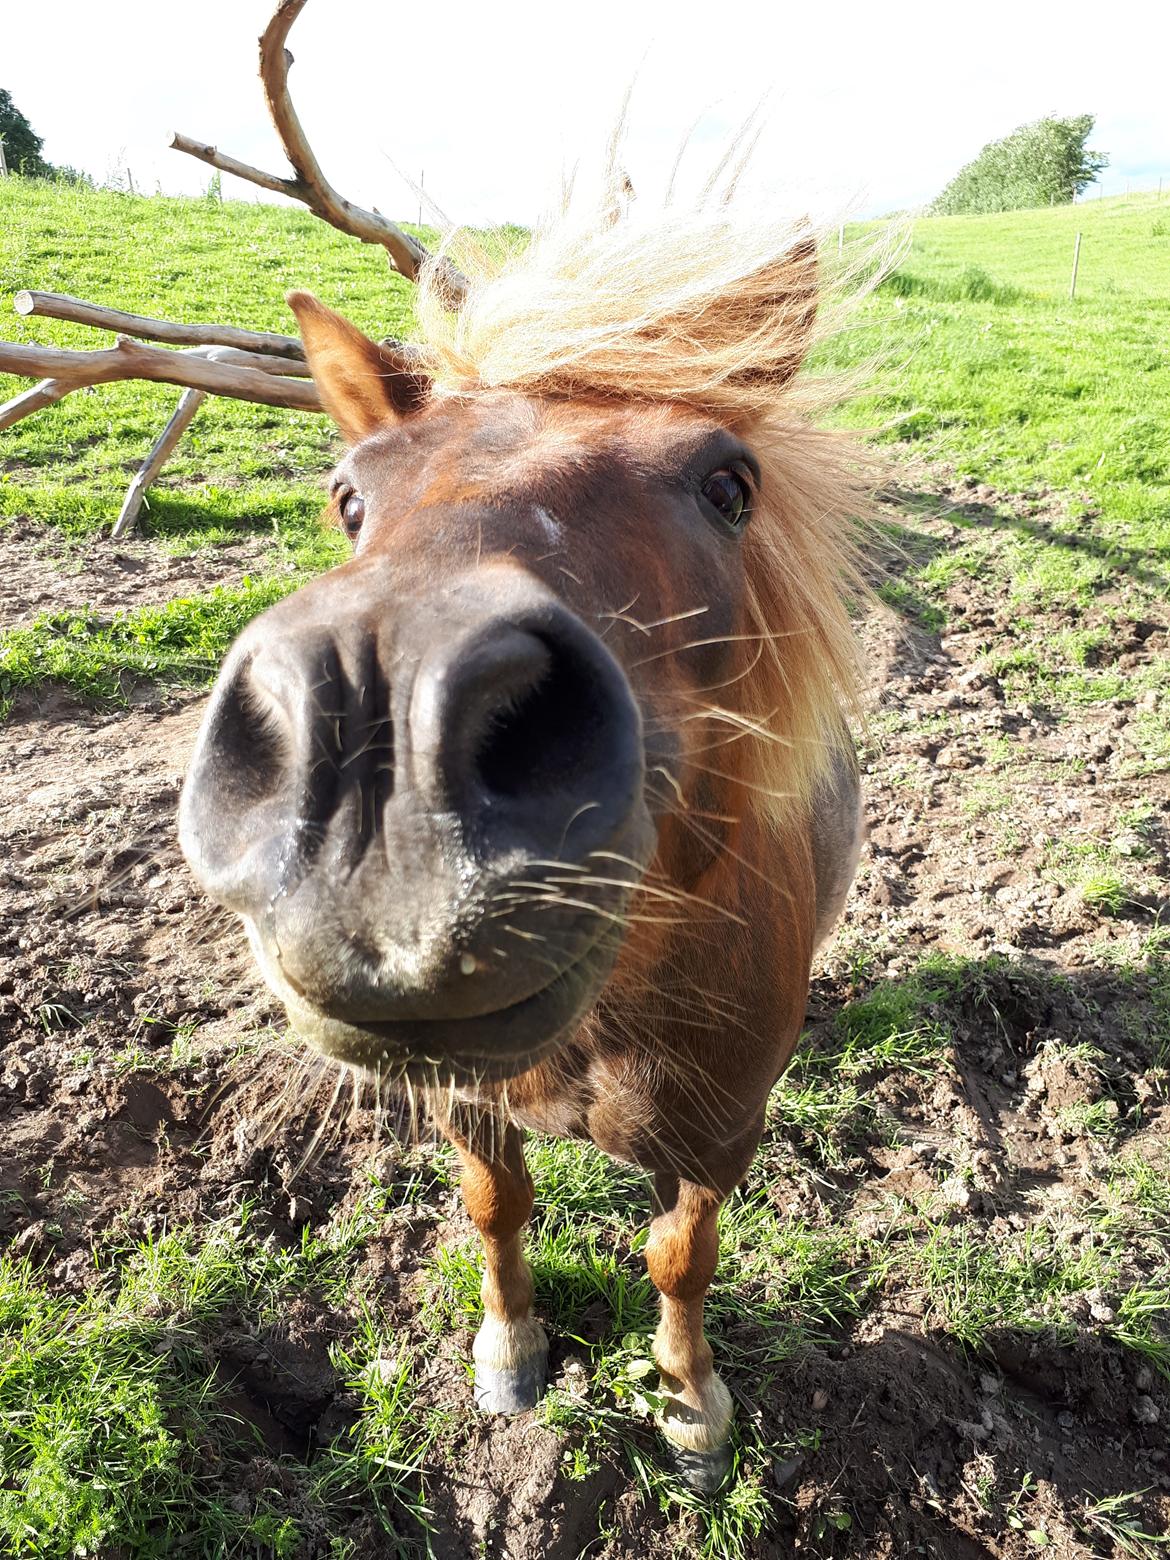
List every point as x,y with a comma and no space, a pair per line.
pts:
45,572
143,1082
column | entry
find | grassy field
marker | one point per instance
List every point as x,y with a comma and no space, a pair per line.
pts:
985,365
1030,440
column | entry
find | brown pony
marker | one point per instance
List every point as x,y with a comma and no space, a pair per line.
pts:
541,802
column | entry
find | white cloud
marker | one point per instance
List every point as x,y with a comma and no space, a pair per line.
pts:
871,106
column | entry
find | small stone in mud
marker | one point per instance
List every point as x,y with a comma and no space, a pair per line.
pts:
784,1473
1130,844
1145,1411
820,1401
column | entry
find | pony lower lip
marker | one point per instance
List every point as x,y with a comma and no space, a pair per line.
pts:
457,1046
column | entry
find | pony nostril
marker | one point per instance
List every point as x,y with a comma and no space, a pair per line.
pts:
543,738
247,741
523,727
296,749
237,774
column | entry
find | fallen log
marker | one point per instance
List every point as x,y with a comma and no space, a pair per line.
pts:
60,306
129,359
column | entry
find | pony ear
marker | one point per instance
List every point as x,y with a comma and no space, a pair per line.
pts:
363,384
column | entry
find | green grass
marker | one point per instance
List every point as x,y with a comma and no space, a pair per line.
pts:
119,1430
995,369
181,641
240,467
823,1103
985,363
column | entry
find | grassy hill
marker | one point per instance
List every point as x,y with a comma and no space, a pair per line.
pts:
982,363
998,371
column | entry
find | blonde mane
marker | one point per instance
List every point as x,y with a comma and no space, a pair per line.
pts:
714,306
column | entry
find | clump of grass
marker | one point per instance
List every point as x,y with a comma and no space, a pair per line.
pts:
1091,1118
796,1285
111,1422
116,1434
972,284
1143,1324
384,1454
1105,891
1142,1187
1116,1519
974,1289
1027,1284
823,1102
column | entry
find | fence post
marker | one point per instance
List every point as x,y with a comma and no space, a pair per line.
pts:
3,163
1072,286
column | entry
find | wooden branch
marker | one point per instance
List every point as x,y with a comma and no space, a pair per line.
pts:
310,186
283,368
315,190
189,403
30,401
50,391
242,170
131,360
60,306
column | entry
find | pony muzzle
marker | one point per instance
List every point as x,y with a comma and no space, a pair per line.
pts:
417,810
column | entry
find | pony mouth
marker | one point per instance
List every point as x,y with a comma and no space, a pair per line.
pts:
491,1046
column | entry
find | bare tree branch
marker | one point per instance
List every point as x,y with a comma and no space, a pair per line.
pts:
314,189
60,306
242,170
50,391
131,360
30,401
189,403
283,368
310,186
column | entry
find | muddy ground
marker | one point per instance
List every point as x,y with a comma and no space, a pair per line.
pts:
108,957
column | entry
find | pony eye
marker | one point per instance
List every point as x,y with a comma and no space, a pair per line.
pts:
728,493
353,512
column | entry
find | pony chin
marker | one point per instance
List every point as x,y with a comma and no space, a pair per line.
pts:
458,1052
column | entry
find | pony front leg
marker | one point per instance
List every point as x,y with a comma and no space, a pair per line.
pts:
510,1348
681,1254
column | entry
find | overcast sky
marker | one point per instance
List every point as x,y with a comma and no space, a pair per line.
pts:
868,106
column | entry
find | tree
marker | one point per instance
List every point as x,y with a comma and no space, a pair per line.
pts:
22,145
1041,164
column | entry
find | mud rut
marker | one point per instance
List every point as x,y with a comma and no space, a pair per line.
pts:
107,955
